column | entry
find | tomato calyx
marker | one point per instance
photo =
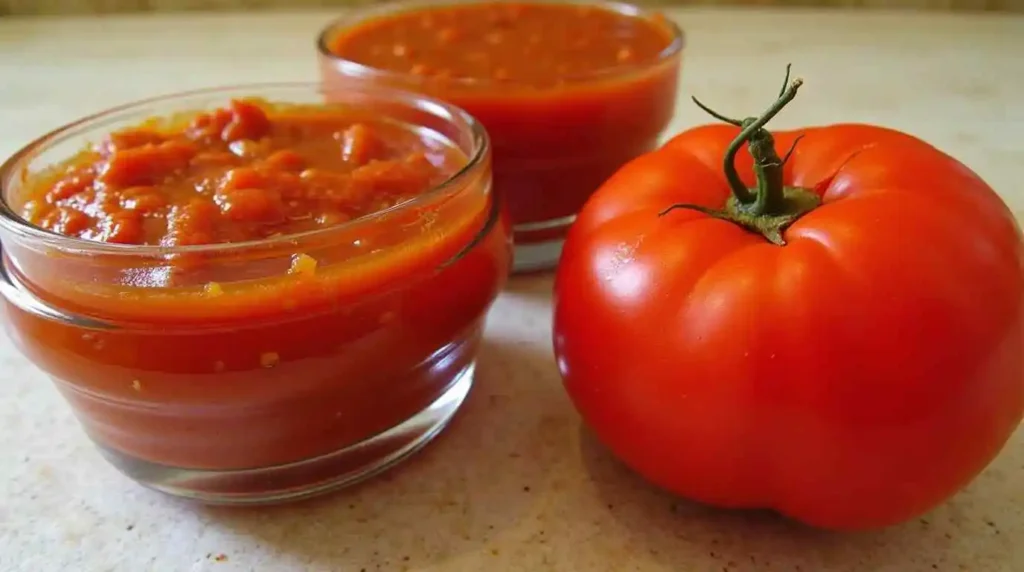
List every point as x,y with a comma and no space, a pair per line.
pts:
770,207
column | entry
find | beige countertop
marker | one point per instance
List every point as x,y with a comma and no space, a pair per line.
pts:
514,484
23,7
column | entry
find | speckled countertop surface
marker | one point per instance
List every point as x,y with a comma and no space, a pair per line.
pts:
514,484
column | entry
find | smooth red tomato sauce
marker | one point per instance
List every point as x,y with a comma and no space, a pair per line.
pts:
535,44
268,355
239,173
569,93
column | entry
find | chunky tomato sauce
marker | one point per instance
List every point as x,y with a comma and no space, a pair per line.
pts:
568,93
251,354
236,174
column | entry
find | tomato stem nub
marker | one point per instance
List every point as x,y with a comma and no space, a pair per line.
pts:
771,206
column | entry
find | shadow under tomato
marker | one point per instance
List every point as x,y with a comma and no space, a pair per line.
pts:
477,479
974,531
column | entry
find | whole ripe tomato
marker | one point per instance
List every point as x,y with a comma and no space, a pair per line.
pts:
839,338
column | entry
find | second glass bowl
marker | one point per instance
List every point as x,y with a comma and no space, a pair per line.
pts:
554,146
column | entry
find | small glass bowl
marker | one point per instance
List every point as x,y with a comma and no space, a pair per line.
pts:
553,147
274,393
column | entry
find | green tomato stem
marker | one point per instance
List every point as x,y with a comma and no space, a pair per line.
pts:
771,206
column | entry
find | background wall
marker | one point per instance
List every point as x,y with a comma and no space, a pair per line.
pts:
109,6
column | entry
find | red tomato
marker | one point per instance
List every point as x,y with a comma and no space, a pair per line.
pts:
854,374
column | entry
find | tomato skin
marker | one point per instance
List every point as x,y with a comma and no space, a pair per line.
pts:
854,378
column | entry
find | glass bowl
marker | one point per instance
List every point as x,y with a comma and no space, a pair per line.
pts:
553,146
277,385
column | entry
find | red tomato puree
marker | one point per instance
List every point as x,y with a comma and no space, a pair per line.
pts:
258,356
568,93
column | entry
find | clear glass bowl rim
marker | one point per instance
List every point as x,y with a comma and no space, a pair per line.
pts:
360,14
11,222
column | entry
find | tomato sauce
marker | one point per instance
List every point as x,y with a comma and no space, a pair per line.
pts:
568,92
234,175
257,319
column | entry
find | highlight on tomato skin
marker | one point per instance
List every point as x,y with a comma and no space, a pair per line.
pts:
830,326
